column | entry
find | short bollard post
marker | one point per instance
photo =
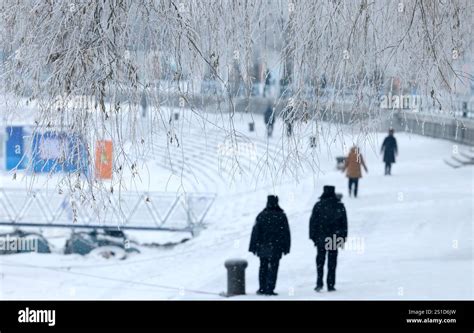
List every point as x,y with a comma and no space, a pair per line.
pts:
340,160
251,127
235,276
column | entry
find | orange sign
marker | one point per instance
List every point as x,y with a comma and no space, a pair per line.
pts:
103,159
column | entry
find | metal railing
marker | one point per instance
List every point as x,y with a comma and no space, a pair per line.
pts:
127,211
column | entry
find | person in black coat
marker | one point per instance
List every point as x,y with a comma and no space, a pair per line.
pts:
328,231
269,241
389,150
269,119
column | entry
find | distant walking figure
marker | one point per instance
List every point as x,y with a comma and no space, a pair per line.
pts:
270,239
352,166
269,119
328,231
268,82
389,150
288,115
144,104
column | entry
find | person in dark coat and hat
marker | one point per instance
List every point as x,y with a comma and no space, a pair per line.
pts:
269,241
389,150
328,231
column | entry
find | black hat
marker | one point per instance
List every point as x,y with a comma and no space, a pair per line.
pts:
328,191
272,200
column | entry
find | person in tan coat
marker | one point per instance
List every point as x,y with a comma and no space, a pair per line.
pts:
353,170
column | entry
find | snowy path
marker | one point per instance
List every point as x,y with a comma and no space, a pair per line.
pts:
416,228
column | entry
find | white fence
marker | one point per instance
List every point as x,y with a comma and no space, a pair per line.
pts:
128,211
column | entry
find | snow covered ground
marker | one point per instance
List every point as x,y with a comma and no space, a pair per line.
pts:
414,230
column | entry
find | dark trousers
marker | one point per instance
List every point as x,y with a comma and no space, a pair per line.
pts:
355,182
388,168
267,275
332,263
